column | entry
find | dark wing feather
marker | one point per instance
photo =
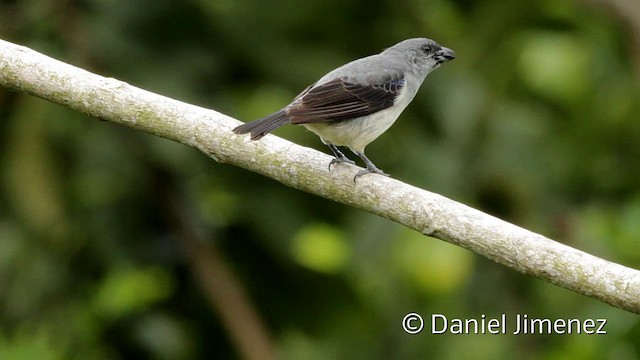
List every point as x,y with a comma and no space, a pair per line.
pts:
339,100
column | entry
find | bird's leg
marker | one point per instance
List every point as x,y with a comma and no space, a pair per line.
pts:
339,157
371,168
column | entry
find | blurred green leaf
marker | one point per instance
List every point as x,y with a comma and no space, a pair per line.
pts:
432,266
321,247
125,292
557,65
27,345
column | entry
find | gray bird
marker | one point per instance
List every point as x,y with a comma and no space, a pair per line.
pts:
354,104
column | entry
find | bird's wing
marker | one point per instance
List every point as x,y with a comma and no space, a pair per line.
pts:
341,99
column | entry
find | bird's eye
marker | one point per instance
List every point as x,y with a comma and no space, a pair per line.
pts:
427,49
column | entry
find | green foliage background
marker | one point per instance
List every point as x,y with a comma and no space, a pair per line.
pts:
536,122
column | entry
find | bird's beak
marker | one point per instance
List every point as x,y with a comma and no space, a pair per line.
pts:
444,55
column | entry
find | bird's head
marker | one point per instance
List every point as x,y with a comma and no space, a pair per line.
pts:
425,53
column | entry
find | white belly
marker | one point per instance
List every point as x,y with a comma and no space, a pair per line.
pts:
358,133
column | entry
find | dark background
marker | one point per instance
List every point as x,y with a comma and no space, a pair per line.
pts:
118,244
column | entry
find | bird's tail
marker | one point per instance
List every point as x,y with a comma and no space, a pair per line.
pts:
262,127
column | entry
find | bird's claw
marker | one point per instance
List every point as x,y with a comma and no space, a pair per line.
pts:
339,160
369,171
371,168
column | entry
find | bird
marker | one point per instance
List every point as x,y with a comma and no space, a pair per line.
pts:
354,104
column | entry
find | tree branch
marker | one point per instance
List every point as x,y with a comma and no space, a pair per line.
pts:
22,69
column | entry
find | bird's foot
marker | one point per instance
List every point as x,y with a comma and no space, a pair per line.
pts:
369,170
341,159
